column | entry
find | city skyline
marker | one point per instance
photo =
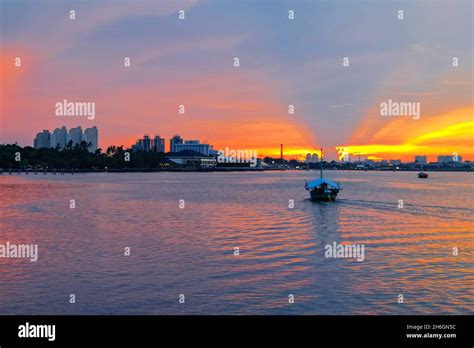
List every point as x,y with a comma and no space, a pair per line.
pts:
60,138
177,144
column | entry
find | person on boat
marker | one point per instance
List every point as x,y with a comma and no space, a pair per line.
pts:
324,187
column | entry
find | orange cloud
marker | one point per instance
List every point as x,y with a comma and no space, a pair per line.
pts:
442,134
12,79
232,109
238,108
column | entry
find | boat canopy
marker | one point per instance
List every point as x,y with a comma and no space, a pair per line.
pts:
318,182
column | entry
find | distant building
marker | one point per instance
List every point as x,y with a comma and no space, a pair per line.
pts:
193,145
75,135
42,139
443,159
147,144
176,140
91,135
420,159
138,146
395,162
449,159
59,138
191,159
312,159
158,144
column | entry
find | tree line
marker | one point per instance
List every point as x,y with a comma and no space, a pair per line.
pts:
77,157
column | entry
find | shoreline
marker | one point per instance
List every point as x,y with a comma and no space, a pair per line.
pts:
207,170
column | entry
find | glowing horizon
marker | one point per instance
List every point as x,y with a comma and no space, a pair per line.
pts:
447,134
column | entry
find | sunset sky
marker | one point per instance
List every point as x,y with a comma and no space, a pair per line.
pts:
282,62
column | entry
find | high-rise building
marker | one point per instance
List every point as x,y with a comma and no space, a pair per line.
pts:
42,139
444,159
312,159
59,138
52,141
75,135
91,136
420,159
449,159
158,144
176,140
146,143
138,145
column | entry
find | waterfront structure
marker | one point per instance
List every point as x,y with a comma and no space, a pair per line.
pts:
193,145
42,139
91,137
191,159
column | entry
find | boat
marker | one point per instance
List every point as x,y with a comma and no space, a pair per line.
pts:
322,189
422,174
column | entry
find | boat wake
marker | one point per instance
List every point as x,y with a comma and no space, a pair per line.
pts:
462,213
